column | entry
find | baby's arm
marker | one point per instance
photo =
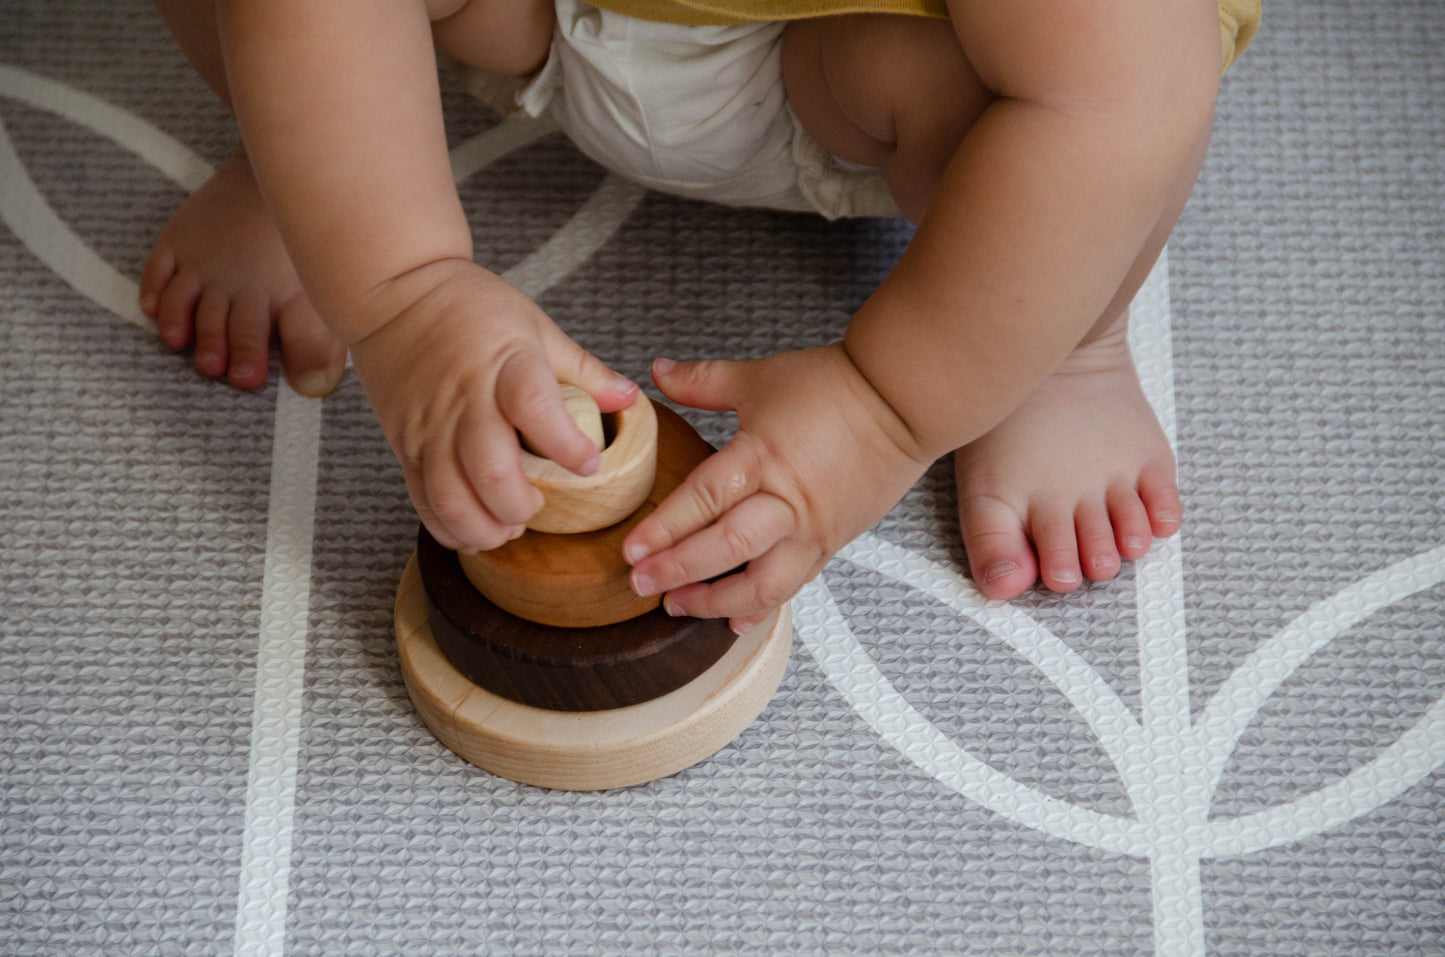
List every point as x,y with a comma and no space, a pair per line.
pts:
1044,207
340,112
1041,212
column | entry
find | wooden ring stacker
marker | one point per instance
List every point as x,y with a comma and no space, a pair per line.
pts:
605,705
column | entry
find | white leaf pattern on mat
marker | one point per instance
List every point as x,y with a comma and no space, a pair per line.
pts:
1170,765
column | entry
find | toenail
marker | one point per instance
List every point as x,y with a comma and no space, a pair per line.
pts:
314,384
1065,577
1133,541
1000,570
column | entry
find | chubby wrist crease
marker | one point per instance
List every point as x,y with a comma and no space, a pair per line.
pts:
388,301
904,436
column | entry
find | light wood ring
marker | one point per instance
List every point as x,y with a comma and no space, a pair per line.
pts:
584,751
577,503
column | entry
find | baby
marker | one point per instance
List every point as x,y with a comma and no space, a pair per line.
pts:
1043,148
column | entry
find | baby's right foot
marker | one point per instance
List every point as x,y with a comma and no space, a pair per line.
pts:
220,279
1077,478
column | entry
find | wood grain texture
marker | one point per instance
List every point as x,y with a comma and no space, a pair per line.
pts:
587,750
578,503
580,580
563,669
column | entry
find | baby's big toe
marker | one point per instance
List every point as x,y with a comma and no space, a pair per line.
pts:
312,358
999,556
1159,491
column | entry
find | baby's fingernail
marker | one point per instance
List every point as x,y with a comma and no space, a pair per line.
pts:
590,466
634,552
672,608
643,586
663,366
148,303
743,626
517,533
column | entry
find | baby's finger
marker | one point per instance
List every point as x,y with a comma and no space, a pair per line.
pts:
717,485
572,364
742,534
757,590
490,461
705,384
456,519
529,397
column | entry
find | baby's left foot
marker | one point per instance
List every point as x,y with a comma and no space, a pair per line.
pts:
1077,478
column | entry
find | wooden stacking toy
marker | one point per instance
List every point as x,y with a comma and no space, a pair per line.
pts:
537,662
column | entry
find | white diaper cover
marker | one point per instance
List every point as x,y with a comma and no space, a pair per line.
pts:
697,111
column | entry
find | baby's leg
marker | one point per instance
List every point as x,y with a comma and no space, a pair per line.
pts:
1080,474
219,278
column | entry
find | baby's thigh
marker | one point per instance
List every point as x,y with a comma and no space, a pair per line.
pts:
864,84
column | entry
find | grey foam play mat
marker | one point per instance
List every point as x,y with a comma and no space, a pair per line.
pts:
1234,748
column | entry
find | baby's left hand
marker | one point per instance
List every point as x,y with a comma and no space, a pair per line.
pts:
818,457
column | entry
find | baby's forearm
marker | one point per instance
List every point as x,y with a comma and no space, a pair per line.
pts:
340,112
1038,218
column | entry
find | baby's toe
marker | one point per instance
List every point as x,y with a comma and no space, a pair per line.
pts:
1098,556
1057,546
312,358
248,337
176,310
1159,491
159,269
999,556
1132,531
211,314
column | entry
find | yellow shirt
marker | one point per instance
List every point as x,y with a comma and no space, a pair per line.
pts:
1238,19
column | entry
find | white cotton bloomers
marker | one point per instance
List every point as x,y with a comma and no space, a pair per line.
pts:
697,111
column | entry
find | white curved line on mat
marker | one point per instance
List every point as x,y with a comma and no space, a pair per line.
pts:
827,634
26,213
167,154
1417,753
579,238
1251,684
1115,728
495,142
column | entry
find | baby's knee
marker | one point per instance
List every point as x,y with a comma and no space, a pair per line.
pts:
506,37
887,90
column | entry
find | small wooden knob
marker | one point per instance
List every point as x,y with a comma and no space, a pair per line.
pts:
576,503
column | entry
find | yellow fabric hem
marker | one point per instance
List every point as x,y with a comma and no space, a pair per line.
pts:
699,13
1238,19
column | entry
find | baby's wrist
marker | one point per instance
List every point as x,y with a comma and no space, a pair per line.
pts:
393,304
890,421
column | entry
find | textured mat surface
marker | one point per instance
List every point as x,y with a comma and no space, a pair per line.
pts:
1234,748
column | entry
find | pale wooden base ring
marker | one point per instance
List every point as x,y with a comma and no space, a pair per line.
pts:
587,750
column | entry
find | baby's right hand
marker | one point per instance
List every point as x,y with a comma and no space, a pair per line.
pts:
454,376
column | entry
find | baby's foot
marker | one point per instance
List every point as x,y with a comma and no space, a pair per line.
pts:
1075,479
219,279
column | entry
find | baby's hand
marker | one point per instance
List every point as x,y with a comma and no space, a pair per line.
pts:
453,378
818,458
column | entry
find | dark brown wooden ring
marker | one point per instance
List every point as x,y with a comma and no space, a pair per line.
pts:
562,669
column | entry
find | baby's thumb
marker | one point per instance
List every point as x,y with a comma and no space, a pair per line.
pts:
706,384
